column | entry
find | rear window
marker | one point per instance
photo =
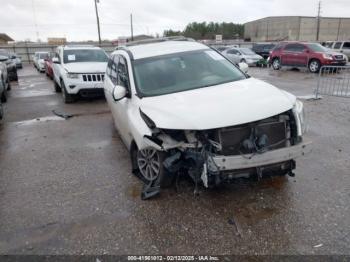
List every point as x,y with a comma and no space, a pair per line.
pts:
43,55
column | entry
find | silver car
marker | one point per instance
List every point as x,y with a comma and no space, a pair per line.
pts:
245,55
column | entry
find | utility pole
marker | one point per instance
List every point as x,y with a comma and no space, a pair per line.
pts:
132,28
318,21
98,22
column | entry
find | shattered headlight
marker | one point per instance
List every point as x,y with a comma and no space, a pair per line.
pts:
300,117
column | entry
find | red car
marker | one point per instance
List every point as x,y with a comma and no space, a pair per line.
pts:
48,67
310,55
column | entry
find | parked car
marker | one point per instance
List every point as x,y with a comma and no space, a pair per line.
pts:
300,54
17,60
79,70
245,55
3,79
179,105
341,46
48,67
11,65
39,60
263,49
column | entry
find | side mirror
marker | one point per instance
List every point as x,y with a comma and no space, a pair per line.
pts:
55,60
244,67
13,57
119,92
307,51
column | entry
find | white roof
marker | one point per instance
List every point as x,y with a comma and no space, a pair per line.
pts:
74,47
164,48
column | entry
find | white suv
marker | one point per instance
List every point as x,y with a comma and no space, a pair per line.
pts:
79,70
182,106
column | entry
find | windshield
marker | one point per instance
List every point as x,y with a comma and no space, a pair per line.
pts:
183,71
4,53
43,55
84,55
247,51
317,47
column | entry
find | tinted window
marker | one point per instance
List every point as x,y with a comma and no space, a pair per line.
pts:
346,45
295,48
317,47
84,55
123,76
43,55
233,52
183,71
337,45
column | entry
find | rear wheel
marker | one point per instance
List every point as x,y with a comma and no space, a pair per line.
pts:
276,64
67,98
314,66
150,164
57,87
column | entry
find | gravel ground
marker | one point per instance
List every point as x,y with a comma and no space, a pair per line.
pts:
66,186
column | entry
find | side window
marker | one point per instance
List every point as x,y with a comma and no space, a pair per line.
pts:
233,52
346,45
109,67
299,48
290,48
123,76
337,45
113,74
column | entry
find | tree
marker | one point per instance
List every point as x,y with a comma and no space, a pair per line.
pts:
206,30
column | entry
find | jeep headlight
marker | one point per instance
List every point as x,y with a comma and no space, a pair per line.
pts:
72,75
300,117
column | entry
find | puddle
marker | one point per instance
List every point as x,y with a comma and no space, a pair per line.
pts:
38,120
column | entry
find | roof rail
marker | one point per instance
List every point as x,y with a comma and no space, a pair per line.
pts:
158,40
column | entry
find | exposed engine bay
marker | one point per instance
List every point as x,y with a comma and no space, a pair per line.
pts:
196,152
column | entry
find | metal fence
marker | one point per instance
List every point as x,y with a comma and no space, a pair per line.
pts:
333,81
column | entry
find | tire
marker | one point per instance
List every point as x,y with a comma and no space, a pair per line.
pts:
3,97
16,77
150,165
276,64
8,85
314,66
67,98
57,87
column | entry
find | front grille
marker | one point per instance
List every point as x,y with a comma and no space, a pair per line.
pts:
339,57
93,77
277,132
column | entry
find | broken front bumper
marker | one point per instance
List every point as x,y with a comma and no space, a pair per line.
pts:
225,163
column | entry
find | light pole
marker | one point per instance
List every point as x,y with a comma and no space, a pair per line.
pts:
98,22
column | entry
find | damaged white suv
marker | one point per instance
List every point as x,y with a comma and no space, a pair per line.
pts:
182,106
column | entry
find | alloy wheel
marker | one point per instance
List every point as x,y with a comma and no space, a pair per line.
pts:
314,66
276,64
148,161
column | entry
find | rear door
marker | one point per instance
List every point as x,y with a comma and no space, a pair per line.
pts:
288,55
346,48
301,55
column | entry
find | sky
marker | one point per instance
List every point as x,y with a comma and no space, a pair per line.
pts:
76,19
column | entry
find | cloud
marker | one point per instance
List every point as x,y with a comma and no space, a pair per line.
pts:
76,20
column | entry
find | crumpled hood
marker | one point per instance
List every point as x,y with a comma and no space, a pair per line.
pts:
218,106
86,67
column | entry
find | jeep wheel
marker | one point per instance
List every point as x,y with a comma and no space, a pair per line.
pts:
276,64
57,87
150,165
67,98
314,66
3,97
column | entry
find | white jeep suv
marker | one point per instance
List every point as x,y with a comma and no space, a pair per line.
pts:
180,106
79,70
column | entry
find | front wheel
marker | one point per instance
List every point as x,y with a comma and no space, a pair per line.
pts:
150,165
276,64
314,66
67,98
